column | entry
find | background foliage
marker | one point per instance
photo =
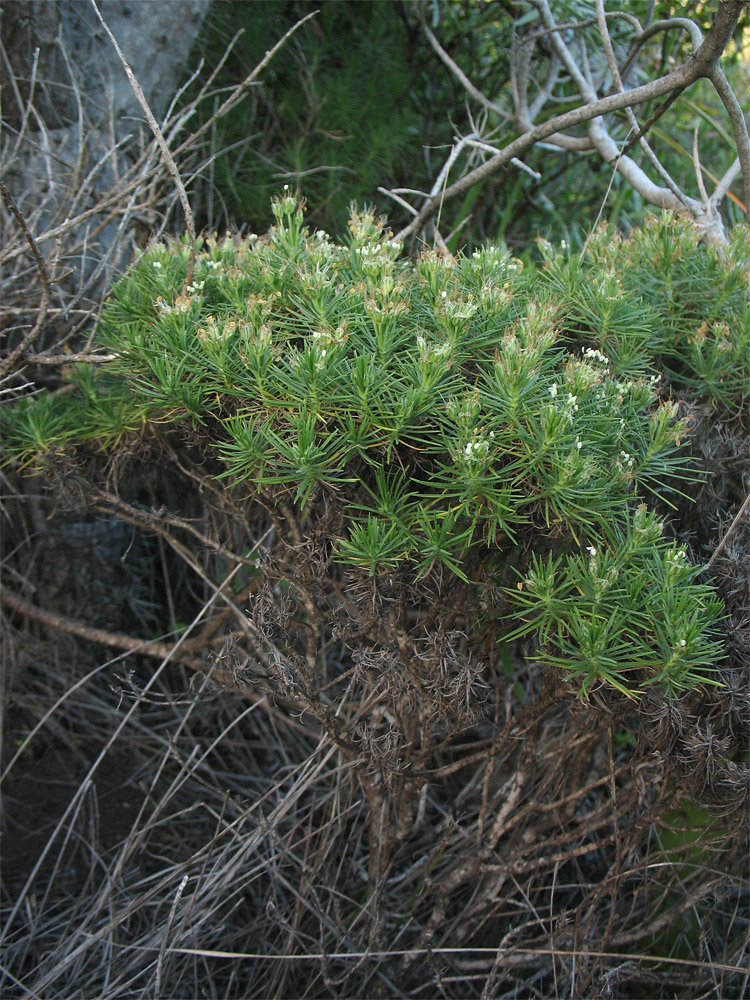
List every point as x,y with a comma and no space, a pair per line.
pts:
361,101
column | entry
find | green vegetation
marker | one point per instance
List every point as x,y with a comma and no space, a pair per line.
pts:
457,413
341,112
374,617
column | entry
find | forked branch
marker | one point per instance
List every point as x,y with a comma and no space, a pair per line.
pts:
704,62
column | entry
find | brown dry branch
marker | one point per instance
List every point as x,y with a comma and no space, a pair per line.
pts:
163,147
90,634
593,109
7,362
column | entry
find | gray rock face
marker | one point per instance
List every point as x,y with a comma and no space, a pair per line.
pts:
155,37
73,129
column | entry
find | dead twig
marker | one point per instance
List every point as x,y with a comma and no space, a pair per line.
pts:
118,640
704,63
168,159
7,363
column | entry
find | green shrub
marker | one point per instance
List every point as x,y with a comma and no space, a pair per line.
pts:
459,426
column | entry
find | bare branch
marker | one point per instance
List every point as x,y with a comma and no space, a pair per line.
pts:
397,198
239,92
461,76
726,182
617,80
701,64
525,115
168,159
697,166
722,544
683,23
119,640
654,117
8,362
739,125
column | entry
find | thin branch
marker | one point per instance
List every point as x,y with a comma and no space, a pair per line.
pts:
655,115
726,182
722,544
461,76
154,521
699,65
118,640
168,159
68,359
8,362
397,198
617,80
683,23
515,161
585,23
238,93
525,115
697,166
739,125
29,103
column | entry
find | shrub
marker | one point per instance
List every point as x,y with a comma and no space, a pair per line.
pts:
444,454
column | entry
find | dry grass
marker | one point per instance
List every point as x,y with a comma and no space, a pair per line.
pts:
215,847
207,839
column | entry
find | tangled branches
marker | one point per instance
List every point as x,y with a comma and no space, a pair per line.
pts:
552,61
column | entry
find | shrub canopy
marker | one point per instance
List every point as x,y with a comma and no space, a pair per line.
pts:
463,415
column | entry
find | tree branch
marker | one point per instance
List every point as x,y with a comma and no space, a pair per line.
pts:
119,640
7,362
461,76
701,64
609,53
739,126
168,158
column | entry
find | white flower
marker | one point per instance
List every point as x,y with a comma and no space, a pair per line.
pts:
156,264
475,449
595,355
553,390
591,549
